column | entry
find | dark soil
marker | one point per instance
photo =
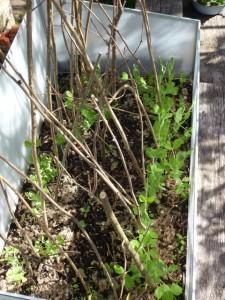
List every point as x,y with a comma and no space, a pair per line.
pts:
52,277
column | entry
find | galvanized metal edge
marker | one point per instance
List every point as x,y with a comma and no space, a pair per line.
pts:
190,280
12,296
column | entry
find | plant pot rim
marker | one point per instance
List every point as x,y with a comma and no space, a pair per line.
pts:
220,5
208,10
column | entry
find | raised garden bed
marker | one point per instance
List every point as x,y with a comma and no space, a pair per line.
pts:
84,192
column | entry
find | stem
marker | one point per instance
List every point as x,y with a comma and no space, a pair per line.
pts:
150,49
135,256
32,105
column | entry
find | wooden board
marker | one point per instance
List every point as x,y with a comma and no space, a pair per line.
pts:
213,50
6,15
210,279
171,7
19,7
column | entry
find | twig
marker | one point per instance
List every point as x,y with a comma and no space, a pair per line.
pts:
135,256
150,49
33,108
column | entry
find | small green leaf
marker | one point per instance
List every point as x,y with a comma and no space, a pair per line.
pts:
148,200
177,143
172,268
168,296
179,115
60,139
90,116
176,289
82,223
161,290
153,253
28,144
118,269
68,98
129,282
16,274
155,153
60,239
135,244
124,76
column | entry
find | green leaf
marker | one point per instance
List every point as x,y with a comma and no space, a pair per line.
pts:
28,144
60,139
176,289
16,274
118,269
179,115
153,253
68,98
149,200
172,268
162,129
161,290
156,269
156,153
82,223
149,238
168,296
48,172
90,116
124,76
177,143
129,282
135,244
60,239
169,89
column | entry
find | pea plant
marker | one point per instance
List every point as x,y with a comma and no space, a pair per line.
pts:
11,256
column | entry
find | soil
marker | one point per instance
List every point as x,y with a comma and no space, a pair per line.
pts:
52,277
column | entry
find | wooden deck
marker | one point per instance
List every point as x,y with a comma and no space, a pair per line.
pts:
18,8
210,281
175,7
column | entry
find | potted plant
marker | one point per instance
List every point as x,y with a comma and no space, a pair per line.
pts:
209,7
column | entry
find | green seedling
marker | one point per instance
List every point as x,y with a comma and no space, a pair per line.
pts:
28,144
68,100
89,117
47,171
181,243
85,210
60,139
47,248
168,292
15,273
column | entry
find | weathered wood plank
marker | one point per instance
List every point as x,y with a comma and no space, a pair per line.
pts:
6,15
210,281
19,7
213,50
174,7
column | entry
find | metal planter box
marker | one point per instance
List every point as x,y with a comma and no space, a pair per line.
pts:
171,37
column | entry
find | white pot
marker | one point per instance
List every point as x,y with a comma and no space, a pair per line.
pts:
208,10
